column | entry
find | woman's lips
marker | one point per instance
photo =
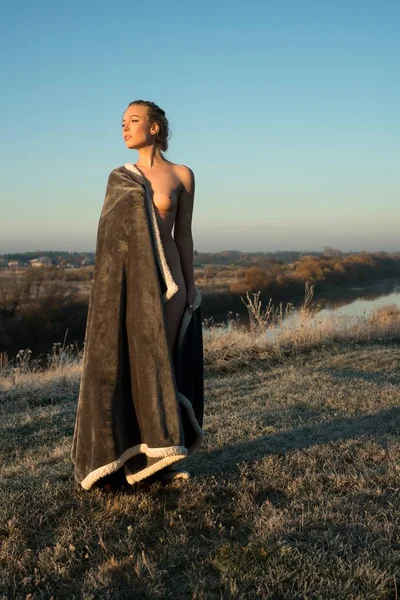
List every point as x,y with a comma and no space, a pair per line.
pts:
127,137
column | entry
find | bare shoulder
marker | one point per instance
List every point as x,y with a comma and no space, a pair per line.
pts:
186,176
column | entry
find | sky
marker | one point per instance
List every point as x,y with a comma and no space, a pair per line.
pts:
286,111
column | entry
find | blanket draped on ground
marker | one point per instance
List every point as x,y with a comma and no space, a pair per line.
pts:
140,408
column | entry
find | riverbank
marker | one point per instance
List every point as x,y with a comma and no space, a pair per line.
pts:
274,334
295,491
58,313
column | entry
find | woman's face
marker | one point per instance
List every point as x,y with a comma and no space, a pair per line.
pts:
135,129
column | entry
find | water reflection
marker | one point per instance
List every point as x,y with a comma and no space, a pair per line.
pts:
361,299
355,301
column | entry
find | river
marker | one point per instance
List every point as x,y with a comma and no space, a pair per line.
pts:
360,299
355,301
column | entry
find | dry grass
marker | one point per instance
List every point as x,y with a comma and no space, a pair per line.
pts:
278,332
295,492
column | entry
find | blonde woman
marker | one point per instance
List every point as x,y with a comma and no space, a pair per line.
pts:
141,398
145,129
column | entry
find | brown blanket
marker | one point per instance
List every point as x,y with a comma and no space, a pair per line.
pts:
139,408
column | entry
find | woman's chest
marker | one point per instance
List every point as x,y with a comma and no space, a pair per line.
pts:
164,189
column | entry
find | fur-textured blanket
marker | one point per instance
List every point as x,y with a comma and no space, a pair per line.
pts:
139,409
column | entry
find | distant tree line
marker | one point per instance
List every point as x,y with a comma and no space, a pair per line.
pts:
200,259
329,270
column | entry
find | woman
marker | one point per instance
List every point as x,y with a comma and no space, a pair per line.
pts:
141,398
145,129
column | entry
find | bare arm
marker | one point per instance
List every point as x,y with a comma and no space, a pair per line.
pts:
183,227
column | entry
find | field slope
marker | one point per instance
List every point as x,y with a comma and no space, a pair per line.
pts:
294,494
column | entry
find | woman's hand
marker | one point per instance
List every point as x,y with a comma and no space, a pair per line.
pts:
191,294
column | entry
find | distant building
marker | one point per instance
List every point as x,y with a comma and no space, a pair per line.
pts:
41,261
14,263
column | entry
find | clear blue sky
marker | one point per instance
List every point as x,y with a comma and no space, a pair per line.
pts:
287,112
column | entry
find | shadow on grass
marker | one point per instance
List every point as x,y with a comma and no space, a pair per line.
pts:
225,458
370,377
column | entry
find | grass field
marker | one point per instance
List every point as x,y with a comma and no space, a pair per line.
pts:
294,493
